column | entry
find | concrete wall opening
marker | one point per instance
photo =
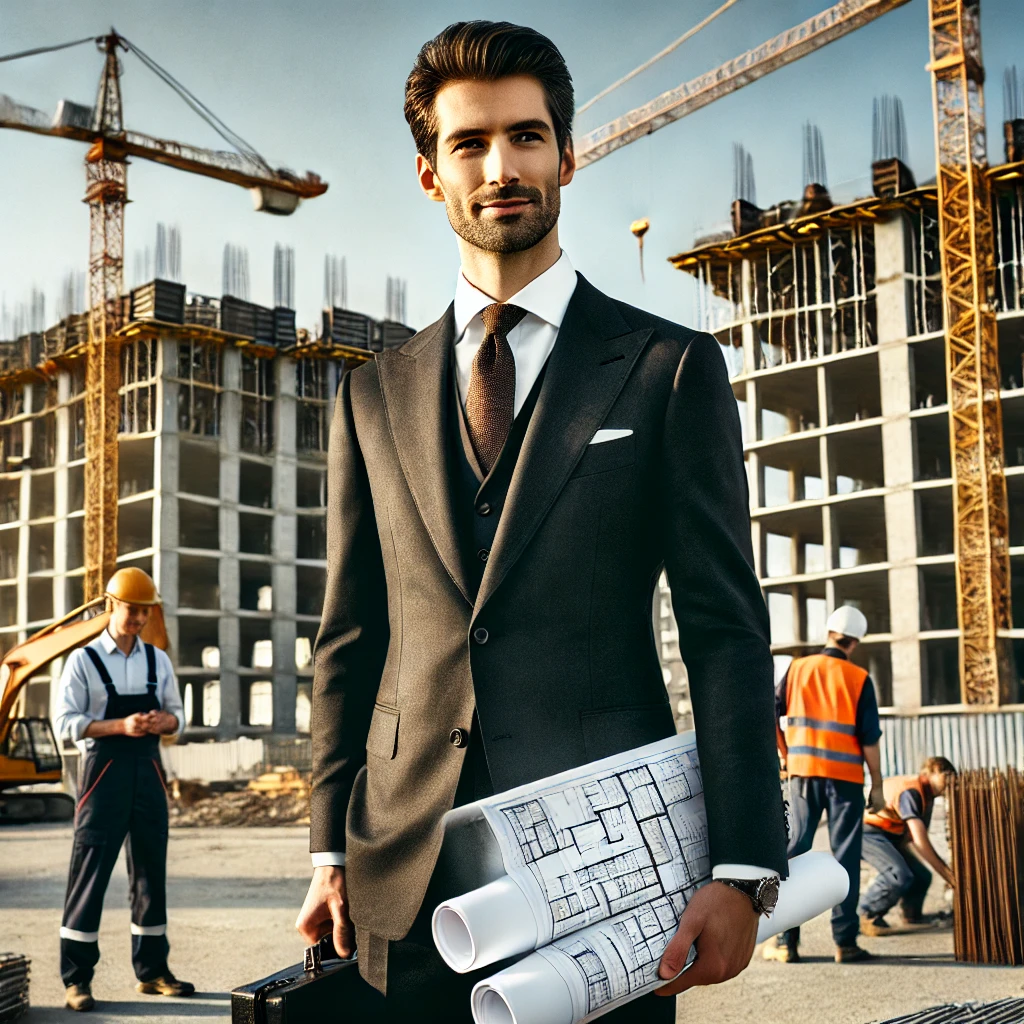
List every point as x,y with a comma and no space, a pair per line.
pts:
868,591
201,699
792,471
935,519
251,632
853,388
134,526
858,526
40,599
41,495
1017,590
257,434
74,591
138,386
928,359
255,591
44,440
199,582
255,483
199,468
931,447
938,597
1013,430
255,533
789,402
8,604
259,703
75,542
197,634
303,707
1015,503
855,459
305,643
310,487
1011,353
134,466
311,536
923,262
10,500
310,583
40,547
199,371
940,668
76,488
9,553
198,525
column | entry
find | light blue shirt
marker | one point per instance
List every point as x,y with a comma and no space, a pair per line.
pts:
83,697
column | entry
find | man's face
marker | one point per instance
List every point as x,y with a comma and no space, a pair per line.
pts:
498,169
937,780
129,619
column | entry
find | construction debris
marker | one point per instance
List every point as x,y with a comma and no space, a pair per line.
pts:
986,822
14,974
280,797
1004,1011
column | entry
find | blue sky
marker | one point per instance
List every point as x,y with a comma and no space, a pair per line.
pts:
318,85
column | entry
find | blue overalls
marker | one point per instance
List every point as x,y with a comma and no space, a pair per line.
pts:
122,794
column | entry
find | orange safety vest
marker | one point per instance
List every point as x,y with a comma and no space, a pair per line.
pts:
822,693
889,818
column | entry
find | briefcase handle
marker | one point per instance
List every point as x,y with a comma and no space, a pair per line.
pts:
314,956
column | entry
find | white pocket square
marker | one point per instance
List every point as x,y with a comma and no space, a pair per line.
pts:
609,435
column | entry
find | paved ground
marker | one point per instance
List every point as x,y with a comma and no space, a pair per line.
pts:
234,894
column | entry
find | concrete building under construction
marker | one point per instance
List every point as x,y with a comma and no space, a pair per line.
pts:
831,322
225,411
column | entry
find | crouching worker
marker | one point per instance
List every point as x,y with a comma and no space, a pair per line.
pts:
896,844
118,695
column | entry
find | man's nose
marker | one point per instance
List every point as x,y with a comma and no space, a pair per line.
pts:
499,166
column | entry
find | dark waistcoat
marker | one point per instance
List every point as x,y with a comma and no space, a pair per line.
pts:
478,501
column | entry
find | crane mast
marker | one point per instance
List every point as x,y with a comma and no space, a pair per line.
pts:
106,192
972,347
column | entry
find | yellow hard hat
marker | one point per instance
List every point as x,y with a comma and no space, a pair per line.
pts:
132,585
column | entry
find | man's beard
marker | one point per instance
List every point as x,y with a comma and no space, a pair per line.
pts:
511,233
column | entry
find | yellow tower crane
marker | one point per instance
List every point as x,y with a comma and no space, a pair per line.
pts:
106,171
968,277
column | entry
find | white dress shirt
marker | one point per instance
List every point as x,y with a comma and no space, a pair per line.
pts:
545,300
83,697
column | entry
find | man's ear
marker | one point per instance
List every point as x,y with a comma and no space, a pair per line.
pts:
568,165
429,181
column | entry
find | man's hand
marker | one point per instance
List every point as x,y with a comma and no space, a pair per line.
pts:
161,723
723,923
876,801
137,724
325,910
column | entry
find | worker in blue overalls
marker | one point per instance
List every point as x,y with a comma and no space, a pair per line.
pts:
118,697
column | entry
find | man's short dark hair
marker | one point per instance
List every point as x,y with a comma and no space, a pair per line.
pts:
485,51
940,766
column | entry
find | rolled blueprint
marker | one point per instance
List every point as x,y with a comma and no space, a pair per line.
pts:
582,976
484,926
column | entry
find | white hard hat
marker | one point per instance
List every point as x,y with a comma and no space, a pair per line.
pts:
848,621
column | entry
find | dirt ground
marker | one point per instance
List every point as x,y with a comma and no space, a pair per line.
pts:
234,893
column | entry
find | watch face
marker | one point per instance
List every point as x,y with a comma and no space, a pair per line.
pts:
768,894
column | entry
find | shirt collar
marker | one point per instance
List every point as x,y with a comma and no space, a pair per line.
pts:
546,296
110,644
835,652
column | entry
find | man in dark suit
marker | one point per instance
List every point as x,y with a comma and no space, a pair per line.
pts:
503,492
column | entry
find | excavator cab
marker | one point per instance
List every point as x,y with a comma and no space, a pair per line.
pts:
29,751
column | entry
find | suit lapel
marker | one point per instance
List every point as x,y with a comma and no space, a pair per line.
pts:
412,382
588,367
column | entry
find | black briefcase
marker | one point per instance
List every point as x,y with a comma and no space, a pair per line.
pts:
321,988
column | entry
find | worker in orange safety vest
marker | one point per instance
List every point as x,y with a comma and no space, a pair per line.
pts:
828,726
896,844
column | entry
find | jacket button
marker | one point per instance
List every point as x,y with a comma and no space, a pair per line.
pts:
480,635
483,509
458,738
483,554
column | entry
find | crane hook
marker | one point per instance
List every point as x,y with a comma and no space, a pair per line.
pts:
639,228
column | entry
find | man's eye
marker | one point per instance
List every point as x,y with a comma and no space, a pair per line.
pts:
528,137
469,144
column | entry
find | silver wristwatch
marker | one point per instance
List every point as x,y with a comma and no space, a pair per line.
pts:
762,892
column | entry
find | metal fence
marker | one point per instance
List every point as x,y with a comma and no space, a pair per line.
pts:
970,739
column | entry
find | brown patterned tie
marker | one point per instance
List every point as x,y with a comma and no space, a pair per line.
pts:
490,400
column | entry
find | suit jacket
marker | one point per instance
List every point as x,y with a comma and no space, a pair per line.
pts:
556,649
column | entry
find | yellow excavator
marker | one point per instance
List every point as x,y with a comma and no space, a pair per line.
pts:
29,752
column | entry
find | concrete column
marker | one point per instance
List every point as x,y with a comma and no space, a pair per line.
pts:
283,572
901,519
230,438
166,461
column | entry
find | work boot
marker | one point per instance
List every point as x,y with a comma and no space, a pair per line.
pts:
79,997
166,985
874,925
781,952
852,954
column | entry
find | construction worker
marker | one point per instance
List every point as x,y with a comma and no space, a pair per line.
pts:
896,843
118,697
828,727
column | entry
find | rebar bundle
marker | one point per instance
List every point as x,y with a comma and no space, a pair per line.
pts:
14,972
986,823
